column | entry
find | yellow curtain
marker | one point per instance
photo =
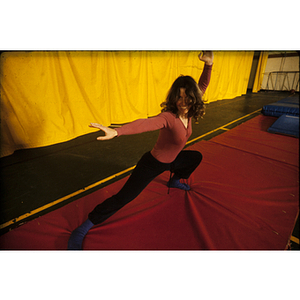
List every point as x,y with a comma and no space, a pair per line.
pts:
163,67
259,76
51,97
230,75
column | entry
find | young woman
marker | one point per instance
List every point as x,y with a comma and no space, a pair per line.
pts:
184,102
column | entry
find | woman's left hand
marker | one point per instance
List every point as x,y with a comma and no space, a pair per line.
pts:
109,132
207,57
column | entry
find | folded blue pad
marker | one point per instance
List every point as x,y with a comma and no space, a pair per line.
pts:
277,109
287,125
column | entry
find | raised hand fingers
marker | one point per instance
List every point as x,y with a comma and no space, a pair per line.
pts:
207,57
200,55
96,125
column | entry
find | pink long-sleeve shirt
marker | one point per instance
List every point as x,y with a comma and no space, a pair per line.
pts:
173,134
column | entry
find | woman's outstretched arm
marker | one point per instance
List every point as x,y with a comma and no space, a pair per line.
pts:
135,127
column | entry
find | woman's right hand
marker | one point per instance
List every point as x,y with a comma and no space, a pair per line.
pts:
109,132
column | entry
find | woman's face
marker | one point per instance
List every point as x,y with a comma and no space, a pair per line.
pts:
182,103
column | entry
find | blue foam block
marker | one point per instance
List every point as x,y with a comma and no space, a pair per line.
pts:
287,125
277,109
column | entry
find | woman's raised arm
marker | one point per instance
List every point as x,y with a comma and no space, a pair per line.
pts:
207,57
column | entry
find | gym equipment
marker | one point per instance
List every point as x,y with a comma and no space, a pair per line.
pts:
287,125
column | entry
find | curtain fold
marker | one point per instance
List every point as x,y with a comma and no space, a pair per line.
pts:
230,75
127,85
259,76
51,97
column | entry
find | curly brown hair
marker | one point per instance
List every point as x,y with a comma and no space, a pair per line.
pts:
192,90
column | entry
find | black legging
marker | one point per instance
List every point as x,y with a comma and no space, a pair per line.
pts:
145,171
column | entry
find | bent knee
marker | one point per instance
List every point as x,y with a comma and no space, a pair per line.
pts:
198,156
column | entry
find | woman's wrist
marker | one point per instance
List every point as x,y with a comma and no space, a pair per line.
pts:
116,133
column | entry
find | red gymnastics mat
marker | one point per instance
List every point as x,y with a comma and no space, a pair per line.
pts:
244,196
